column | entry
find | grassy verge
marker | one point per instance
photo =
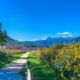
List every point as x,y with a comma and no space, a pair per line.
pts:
39,70
4,59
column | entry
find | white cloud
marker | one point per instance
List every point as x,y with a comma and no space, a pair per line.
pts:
65,34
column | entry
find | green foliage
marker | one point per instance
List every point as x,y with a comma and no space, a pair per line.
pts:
3,35
65,58
58,46
41,71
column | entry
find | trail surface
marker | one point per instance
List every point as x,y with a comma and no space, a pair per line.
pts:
11,71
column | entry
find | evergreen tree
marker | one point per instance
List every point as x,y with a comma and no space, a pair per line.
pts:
2,35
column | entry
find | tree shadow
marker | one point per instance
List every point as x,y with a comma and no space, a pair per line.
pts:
11,70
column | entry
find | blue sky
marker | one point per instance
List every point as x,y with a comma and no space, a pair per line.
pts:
35,19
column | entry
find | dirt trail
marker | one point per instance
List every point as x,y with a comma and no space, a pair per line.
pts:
11,71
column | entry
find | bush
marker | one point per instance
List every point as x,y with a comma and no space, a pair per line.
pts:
66,59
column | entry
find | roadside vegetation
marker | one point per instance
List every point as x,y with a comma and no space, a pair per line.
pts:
40,71
59,62
65,59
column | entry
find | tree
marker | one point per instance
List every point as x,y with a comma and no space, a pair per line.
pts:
0,27
2,35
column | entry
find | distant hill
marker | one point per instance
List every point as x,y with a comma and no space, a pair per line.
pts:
5,38
51,41
47,42
9,40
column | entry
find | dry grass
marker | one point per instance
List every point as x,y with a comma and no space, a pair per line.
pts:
12,52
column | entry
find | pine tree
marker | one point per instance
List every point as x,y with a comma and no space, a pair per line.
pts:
0,27
2,35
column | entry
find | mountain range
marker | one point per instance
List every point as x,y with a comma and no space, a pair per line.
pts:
47,42
51,41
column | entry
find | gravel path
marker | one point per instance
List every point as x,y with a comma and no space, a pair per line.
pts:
11,71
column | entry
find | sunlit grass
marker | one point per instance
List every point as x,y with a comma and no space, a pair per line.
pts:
39,70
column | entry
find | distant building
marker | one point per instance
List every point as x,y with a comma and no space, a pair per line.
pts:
15,46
